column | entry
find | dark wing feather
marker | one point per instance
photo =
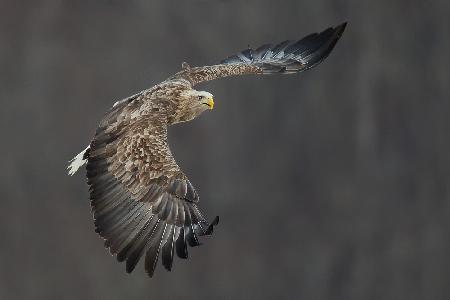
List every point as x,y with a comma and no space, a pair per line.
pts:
141,201
286,57
167,249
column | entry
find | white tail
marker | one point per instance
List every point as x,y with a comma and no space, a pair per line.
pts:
77,162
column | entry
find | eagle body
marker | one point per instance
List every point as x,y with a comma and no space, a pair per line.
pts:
143,204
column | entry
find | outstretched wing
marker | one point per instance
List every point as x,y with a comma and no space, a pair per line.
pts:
141,201
286,57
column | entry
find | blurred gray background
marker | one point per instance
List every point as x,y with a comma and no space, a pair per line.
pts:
330,184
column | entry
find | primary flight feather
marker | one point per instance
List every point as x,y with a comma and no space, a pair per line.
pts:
143,204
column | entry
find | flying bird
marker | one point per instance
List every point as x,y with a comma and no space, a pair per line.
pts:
142,202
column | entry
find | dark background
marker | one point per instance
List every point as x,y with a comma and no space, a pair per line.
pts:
330,184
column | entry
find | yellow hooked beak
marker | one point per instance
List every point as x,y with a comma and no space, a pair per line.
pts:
210,103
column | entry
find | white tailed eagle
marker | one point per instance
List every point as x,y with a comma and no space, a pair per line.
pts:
143,204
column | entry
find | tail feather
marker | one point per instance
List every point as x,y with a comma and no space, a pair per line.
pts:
78,161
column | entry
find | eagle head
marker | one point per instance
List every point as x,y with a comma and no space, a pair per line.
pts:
204,99
192,104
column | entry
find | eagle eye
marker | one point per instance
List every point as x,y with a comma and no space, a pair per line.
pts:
200,97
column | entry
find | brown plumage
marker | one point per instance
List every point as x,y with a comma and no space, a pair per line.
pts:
141,201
